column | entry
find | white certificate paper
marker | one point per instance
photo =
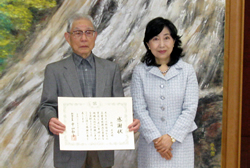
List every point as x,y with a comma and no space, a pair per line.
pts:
96,123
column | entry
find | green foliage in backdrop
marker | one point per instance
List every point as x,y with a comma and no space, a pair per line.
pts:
16,20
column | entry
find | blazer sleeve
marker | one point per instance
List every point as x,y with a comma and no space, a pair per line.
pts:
147,128
185,122
117,89
48,105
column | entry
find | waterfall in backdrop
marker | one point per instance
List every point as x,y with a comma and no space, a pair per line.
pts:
121,23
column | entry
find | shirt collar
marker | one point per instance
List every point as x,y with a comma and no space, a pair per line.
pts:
78,59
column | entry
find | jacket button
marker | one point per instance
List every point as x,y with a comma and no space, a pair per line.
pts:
162,97
162,108
162,119
161,86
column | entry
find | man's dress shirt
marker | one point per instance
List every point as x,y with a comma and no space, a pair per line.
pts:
86,73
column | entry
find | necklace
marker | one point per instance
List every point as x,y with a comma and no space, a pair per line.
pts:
163,72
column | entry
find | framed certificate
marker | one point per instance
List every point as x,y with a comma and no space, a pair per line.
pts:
96,123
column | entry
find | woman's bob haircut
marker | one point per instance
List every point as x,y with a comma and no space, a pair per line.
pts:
153,28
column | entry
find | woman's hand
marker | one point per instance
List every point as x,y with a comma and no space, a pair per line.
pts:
164,142
163,146
166,154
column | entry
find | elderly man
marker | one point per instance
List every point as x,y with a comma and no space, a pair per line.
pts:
80,75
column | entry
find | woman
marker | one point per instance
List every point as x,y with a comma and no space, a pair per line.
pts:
165,97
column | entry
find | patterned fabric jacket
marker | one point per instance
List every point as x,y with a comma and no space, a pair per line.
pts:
165,105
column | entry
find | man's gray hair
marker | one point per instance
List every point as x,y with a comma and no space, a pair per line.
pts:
79,16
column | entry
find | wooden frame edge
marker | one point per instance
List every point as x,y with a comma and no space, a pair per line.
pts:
232,85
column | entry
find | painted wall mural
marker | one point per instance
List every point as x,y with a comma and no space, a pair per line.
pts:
31,36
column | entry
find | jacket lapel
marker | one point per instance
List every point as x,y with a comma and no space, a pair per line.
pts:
172,72
71,77
155,71
100,76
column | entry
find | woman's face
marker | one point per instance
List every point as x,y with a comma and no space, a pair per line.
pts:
162,46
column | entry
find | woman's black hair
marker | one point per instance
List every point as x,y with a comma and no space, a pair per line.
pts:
153,28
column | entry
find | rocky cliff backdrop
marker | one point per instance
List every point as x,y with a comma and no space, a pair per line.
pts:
32,35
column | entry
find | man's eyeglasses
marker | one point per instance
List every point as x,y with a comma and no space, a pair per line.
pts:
79,33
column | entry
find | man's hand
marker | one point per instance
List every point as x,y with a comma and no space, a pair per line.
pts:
55,126
135,125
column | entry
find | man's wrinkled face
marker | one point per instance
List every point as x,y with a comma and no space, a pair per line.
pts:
81,37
